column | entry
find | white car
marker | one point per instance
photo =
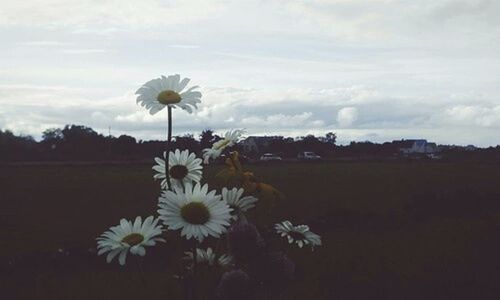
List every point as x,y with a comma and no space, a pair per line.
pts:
308,156
270,157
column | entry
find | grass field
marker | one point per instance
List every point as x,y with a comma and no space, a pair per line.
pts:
390,230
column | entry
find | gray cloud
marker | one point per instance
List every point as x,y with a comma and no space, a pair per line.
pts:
374,117
373,70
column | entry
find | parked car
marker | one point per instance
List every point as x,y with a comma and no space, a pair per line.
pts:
434,156
270,157
307,155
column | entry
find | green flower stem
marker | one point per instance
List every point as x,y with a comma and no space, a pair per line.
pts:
195,263
169,143
183,186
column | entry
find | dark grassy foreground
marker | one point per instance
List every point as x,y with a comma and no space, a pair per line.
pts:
390,230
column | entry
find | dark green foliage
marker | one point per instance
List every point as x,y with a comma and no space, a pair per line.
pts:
81,143
390,230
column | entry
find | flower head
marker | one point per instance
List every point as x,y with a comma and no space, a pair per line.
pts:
236,202
196,211
299,234
129,236
183,168
158,93
230,139
208,258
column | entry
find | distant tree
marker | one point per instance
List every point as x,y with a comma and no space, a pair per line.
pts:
310,139
126,140
364,148
187,142
282,146
52,135
331,138
12,147
124,145
81,142
51,139
207,138
73,133
311,143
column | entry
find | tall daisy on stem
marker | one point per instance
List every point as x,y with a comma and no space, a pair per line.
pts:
169,92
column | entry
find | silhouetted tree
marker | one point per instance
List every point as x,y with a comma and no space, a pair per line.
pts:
311,143
331,138
13,147
51,139
82,142
187,142
207,138
124,145
75,142
282,146
52,135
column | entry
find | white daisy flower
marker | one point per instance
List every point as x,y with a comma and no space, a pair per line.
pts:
129,236
299,234
196,211
183,167
208,257
238,204
230,139
157,93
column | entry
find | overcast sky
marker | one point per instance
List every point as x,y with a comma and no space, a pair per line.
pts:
366,69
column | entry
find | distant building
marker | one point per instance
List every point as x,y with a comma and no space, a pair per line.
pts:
470,148
417,147
257,144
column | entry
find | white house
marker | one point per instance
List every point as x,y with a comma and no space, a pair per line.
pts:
256,143
470,148
418,147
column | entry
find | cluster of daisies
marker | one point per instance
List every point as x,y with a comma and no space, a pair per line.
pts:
186,204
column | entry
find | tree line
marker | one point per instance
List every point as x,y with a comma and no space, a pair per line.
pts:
81,143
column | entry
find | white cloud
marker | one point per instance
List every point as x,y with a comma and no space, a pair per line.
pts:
401,21
280,121
367,69
185,46
84,51
472,115
43,43
347,116
105,14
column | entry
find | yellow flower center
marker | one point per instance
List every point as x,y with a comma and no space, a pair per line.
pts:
178,172
195,213
168,97
133,239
